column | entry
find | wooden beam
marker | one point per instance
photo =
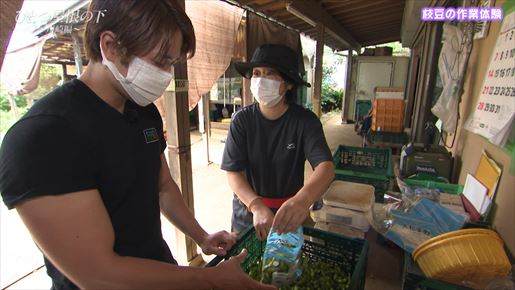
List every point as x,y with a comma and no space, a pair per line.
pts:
247,2
317,90
381,41
283,15
203,125
375,23
298,24
391,28
387,32
362,6
378,12
179,155
246,94
341,4
346,101
329,41
179,151
271,6
374,19
377,38
313,13
57,62
51,47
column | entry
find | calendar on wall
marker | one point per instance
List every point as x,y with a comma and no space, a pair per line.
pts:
494,112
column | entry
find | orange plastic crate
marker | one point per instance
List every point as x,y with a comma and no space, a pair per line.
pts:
388,115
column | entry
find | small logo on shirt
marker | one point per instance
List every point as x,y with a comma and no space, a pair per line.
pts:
290,146
150,135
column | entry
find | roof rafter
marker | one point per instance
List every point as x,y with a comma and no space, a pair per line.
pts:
314,14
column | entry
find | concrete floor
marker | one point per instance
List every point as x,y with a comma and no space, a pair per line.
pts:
212,209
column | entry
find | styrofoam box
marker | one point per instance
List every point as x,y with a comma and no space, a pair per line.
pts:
350,195
389,92
340,229
341,216
389,95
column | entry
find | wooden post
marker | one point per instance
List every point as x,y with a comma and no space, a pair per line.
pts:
77,52
346,101
203,124
246,95
65,72
14,108
179,152
317,90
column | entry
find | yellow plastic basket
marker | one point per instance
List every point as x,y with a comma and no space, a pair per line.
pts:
472,256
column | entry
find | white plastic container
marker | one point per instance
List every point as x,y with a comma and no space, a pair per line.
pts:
350,195
340,230
341,216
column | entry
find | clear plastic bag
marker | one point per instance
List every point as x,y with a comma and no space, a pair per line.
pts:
414,193
281,257
415,218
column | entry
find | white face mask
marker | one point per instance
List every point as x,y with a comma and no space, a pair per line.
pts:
144,83
266,91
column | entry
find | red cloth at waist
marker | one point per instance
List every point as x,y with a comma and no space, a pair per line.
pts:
274,203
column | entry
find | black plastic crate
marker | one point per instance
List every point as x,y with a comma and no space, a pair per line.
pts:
414,279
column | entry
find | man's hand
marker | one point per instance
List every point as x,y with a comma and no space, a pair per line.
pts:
263,219
290,215
232,276
218,243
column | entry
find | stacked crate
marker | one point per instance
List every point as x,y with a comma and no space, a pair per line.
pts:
388,112
344,209
388,115
364,165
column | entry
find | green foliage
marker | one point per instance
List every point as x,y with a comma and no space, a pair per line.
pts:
4,100
4,103
48,80
50,75
7,119
332,97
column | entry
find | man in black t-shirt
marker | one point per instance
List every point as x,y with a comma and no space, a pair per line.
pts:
85,168
268,144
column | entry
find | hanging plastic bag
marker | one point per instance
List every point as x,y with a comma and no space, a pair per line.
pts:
451,66
446,108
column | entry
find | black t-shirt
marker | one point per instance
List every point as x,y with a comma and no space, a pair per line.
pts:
273,152
71,140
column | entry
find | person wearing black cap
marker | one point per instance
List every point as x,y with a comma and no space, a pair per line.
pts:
268,144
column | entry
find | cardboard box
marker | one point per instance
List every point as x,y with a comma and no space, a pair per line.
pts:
383,51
